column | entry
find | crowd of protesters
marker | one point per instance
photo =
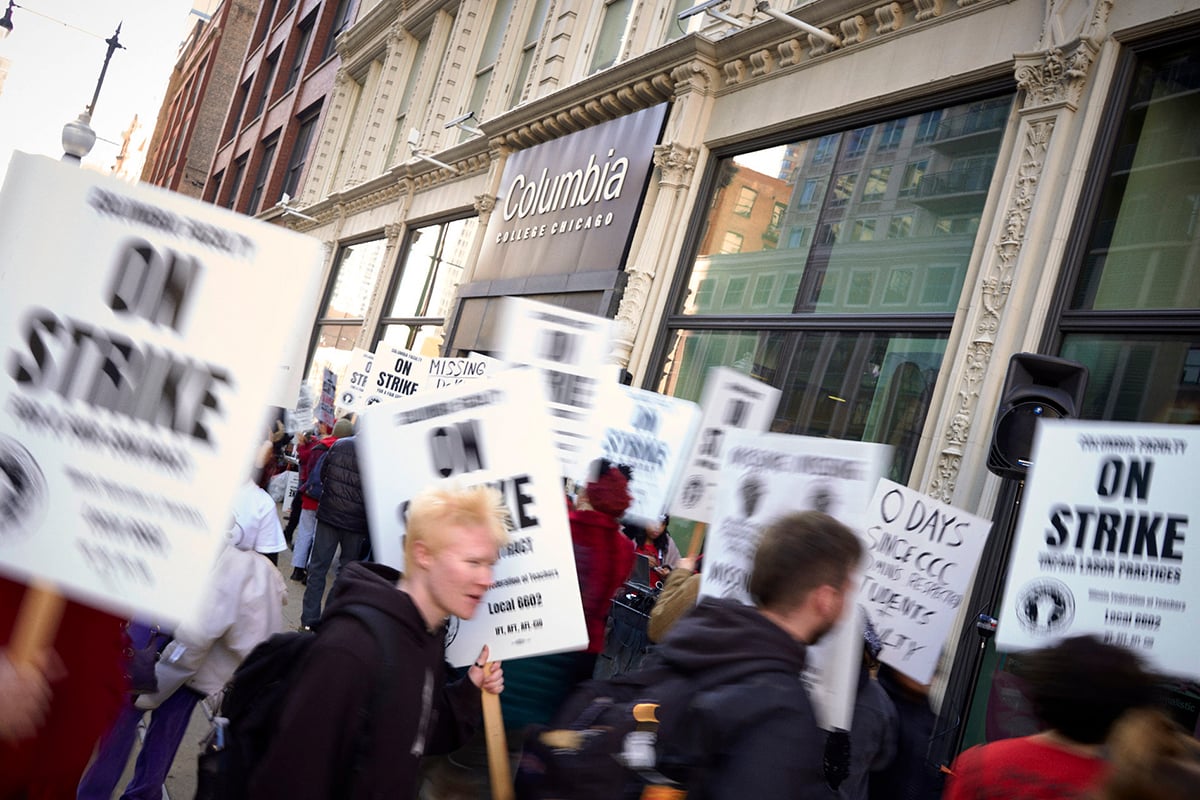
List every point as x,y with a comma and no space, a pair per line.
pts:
68,718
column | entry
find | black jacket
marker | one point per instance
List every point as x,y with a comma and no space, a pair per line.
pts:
755,734
342,504
321,725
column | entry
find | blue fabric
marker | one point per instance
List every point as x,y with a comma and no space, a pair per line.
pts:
168,723
325,545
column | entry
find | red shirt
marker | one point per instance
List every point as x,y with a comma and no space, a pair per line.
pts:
1026,768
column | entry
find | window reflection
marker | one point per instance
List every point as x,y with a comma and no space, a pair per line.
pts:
843,385
423,294
878,220
821,208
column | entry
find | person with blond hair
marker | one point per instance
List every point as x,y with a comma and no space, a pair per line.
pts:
337,735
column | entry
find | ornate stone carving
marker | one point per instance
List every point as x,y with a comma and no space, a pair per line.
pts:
818,46
396,37
966,399
485,203
675,163
762,62
994,288
927,9
888,18
392,232
853,30
790,52
692,76
631,311
735,71
1057,76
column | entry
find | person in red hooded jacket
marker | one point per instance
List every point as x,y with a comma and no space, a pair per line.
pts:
603,553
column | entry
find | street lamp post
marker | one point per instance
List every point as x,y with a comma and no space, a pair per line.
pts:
78,138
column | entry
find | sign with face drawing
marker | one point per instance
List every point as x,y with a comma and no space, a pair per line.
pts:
731,400
765,476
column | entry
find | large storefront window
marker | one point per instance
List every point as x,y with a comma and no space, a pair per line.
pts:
423,289
355,275
831,267
1140,267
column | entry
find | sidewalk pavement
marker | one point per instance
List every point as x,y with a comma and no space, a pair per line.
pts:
181,780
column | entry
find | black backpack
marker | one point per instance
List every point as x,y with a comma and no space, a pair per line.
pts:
255,696
313,486
606,741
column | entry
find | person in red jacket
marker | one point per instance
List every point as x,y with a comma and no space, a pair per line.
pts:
603,554
1079,688
308,453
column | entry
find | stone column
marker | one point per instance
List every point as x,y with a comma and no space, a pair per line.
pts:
317,184
649,268
1018,275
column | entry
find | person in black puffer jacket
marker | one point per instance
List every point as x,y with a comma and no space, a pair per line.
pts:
341,519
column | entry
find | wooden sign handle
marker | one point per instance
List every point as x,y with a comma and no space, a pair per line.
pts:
497,745
37,622
697,539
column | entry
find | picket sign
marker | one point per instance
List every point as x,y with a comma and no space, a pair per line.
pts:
497,743
130,385
767,475
36,623
697,539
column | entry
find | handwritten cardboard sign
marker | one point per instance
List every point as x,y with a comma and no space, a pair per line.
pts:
134,383
922,556
1103,544
451,371
495,432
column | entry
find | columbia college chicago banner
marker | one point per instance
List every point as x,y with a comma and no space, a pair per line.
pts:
569,205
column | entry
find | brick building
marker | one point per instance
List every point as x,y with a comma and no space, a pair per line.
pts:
279,96
188,128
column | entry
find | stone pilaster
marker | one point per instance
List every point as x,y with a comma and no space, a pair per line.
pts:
1010,297
676,165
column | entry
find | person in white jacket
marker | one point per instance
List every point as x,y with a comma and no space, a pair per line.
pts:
242,606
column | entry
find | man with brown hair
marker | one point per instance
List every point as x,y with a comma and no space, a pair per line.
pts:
755,734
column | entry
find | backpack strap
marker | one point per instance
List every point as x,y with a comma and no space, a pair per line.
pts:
383,628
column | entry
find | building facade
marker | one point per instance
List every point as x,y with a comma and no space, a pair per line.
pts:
186,134
872,221
278,101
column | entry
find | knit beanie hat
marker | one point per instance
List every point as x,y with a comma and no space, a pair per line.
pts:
343,428
609,493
